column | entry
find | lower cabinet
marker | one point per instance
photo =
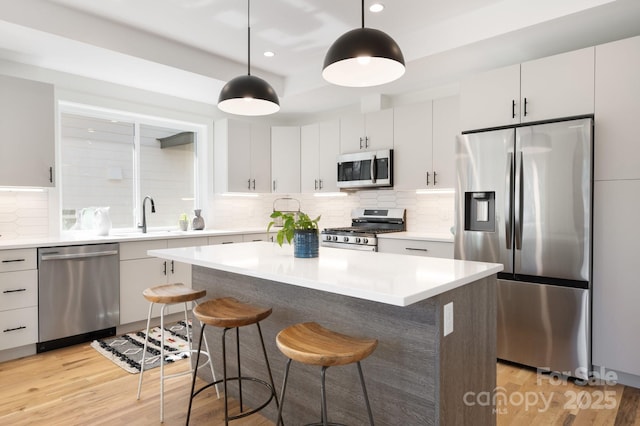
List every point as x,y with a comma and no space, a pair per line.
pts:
616,293
139,271
18,298
225,239
416,247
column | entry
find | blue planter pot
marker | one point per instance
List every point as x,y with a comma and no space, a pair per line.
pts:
306,243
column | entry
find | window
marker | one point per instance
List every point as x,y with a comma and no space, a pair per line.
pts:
115,163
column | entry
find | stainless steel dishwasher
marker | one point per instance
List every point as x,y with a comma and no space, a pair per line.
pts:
78,294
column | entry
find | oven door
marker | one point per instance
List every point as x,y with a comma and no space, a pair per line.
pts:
371,169
361,247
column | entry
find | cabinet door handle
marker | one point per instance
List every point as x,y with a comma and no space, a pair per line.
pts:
513,108
14,291
525,107
416,249
321,184
435,182
427,178
366,141
274,185
6,330
249,184
13,260
360,142
316,183
172,268
254,184
51,174
164,270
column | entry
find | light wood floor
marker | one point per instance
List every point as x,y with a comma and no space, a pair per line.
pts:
78,386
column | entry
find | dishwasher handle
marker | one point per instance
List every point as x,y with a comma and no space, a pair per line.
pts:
78,255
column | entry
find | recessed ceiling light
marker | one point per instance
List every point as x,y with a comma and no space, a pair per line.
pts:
376,7
269,54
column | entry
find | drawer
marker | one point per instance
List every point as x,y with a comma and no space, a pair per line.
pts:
258,237
18,260
18,327
225,239
416,247
187,242
18,289
138,249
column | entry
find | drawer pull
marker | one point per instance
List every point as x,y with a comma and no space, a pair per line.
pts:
13,260
14,291
14,329
416,249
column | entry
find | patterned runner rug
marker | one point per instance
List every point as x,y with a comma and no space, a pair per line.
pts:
126,351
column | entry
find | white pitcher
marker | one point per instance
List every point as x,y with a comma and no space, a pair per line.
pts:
102,221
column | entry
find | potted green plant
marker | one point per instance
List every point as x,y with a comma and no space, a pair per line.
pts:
299,228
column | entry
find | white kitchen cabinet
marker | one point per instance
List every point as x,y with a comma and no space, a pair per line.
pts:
225,239
18,298
370,131
139,271
285,159
27,127
616,293
242,156
553,87
249,238
424,144
416,247
617,107
319,148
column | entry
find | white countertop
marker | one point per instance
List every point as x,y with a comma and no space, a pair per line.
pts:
382,277
90,237
419,236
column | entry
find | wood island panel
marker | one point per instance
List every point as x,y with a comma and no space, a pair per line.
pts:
414,377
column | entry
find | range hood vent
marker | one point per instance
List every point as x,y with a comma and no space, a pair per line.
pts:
182,138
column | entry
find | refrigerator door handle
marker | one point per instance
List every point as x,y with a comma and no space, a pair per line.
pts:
508,206
519,201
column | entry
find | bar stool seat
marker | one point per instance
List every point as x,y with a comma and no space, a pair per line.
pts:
228,313
310,343
165,295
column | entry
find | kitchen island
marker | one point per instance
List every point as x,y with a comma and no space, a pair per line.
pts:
417,376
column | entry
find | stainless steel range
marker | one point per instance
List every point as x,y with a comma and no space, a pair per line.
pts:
366,224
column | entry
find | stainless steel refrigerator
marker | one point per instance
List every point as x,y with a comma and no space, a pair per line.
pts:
524,199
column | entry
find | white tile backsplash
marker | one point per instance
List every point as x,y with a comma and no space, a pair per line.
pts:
428,213
24,215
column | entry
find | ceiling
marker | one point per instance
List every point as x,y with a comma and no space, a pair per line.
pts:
190,48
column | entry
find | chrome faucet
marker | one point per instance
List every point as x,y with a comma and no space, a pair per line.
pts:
144,213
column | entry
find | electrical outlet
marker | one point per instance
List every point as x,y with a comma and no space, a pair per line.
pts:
448,319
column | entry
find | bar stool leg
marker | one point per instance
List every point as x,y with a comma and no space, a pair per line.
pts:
325,422
364,392
144,351
193,379
239,369
266,361
284,389
162,311
206,346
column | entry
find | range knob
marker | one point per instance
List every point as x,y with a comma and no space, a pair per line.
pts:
358,240
335,238
365,240
345,239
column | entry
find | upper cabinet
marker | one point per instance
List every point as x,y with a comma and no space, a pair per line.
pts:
424,142
242,156
285,159
617,105
371,131
320,146
548,88
27,115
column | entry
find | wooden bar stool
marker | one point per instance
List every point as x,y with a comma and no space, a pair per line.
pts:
166,295
310,343
228,313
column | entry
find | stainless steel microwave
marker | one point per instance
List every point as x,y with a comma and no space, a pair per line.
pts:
367,169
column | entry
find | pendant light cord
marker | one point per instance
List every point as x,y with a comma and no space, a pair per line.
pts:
362,9
249,37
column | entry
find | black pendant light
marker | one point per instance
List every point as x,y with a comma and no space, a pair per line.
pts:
363,57
248,94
